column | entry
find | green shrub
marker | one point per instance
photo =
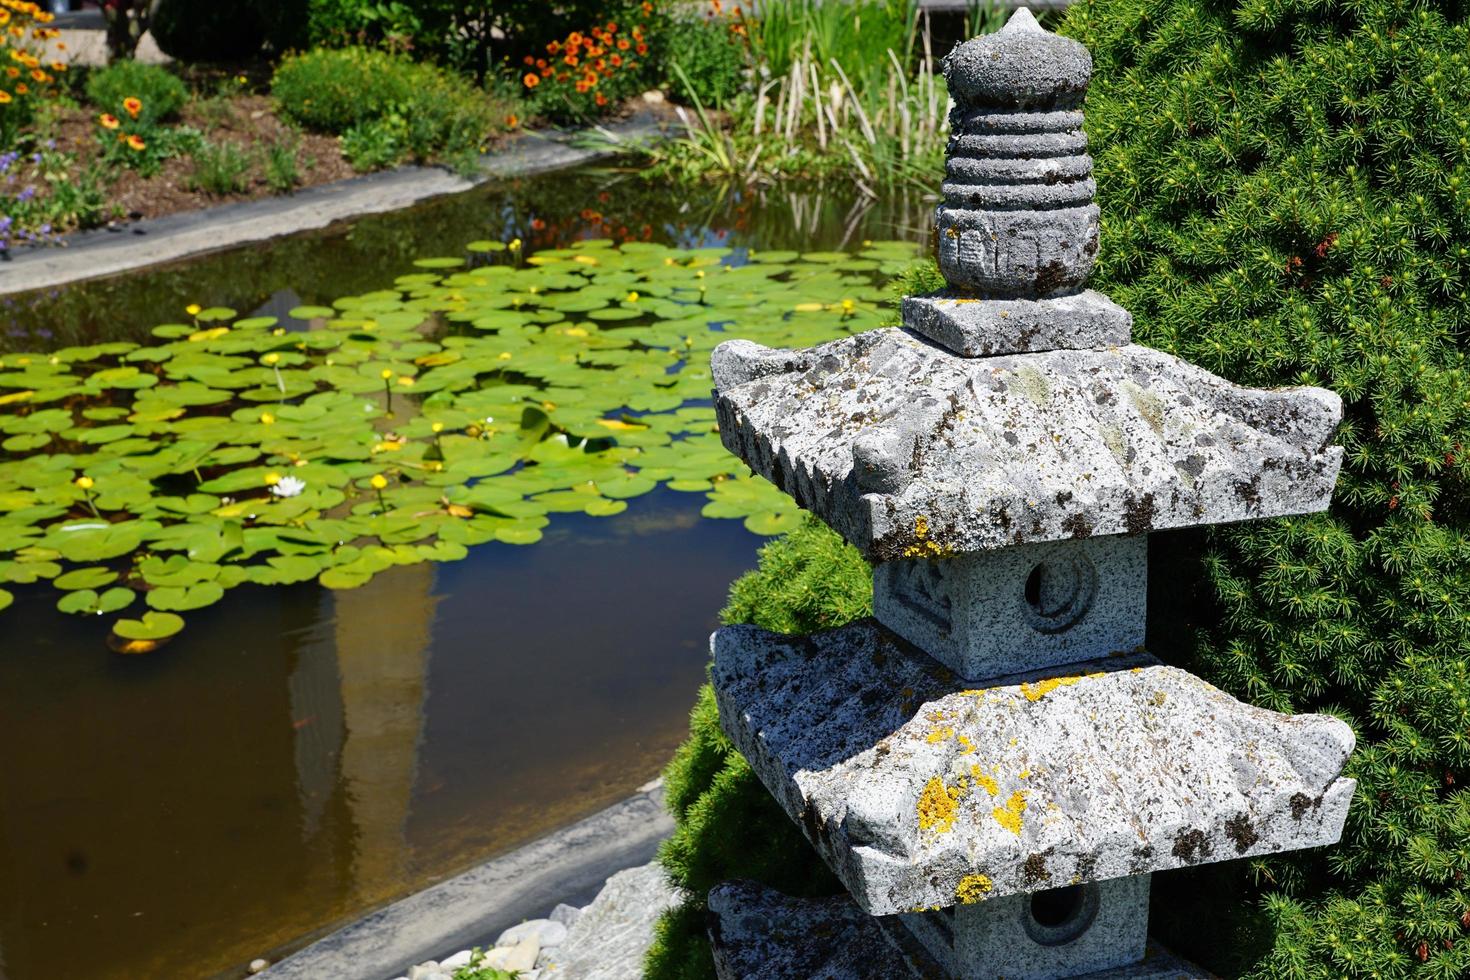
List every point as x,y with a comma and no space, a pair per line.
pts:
192,31
384,106
728,826
1285,193
162,93
331,91
711,57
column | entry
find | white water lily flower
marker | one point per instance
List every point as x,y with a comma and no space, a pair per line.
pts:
288,486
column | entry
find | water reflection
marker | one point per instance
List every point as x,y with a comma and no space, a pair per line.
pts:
299,756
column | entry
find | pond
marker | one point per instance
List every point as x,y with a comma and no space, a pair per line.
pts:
519,616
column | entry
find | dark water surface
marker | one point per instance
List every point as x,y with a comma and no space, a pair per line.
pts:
298,756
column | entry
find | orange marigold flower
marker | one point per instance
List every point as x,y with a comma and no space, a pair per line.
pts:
553,48
512,121
570,59
617,60
134,106
135,142
601,99
12,72
642,48
528,61
532,79
22,88
546,71
108,121
538,225
600,64
574,38
37,75
581,87
57,66
638,33
562,76
612,27
623,44
647,7
4,96
4,17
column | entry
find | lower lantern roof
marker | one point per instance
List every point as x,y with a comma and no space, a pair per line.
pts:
922,790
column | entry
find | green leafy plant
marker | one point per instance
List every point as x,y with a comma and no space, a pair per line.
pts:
376,144
477,970
161,92
130,141
46,194
1285,195
282,166
219,168
710,51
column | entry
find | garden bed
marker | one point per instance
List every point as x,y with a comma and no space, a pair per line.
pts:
247,123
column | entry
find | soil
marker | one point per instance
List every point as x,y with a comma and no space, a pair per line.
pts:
249,122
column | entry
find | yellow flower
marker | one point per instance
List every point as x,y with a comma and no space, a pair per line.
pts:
848,306
133,106
4,96
271,479
632,297
135,142
266,418
379,481
85,482
437,426
193,309
108,121
271,359
515,245
385,374
405,380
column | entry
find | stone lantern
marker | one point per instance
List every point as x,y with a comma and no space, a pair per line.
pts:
994,766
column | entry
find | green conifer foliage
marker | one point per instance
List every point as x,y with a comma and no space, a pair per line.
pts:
1285,191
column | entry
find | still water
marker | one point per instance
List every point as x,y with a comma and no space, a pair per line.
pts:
299,756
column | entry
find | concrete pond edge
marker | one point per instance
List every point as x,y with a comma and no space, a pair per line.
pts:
567,866
104,252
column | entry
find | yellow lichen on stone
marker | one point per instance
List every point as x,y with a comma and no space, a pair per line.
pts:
939,735
988,783
938,806
922,546
966,746
1039,690
1009,816
972,889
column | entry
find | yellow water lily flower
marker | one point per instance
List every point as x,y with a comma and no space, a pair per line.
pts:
379,481
85,482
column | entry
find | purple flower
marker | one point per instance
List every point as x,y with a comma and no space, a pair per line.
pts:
27,194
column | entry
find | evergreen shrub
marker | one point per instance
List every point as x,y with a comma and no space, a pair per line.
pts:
1285,191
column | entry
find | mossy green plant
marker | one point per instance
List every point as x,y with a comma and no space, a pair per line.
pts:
728,826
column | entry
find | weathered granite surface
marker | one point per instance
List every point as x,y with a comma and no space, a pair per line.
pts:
982,328
1107,928
610,937
758,933
1028,607
909,451
921,791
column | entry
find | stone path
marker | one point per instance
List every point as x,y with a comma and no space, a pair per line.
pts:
607,940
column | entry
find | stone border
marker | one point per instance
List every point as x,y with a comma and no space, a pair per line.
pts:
108,252
569,865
